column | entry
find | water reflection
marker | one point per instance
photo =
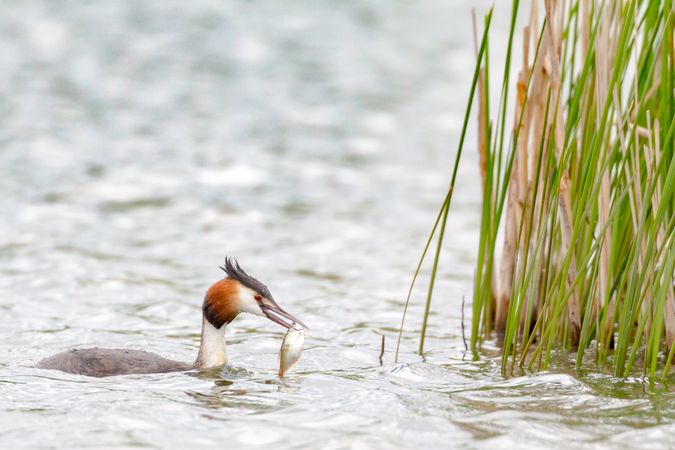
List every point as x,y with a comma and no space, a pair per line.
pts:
244,390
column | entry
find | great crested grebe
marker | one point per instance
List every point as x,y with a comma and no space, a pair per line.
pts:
224,300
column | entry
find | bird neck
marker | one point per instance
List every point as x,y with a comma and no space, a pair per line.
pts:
212,351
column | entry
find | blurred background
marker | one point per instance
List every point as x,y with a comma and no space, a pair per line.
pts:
141,142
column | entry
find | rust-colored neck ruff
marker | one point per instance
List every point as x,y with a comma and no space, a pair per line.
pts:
220,303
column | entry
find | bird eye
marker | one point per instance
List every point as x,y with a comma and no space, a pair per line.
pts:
258,298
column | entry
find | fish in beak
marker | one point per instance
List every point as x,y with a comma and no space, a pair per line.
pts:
291,348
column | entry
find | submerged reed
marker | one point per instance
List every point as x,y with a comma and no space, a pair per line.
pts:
577,241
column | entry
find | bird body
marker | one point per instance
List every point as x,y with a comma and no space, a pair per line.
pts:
104,362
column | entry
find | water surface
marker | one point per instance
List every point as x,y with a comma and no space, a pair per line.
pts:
141,142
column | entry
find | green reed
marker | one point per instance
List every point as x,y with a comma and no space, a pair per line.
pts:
577,243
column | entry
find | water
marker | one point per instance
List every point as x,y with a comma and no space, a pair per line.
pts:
141,142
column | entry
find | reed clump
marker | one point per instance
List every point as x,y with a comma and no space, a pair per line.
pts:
577,241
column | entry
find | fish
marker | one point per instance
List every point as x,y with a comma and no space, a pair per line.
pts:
291,348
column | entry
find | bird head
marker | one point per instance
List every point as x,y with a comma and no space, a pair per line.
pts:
239,292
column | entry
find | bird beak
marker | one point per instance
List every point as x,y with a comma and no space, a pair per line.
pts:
276,314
